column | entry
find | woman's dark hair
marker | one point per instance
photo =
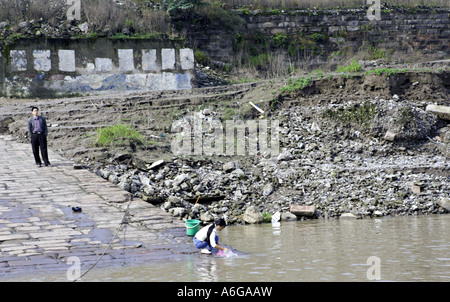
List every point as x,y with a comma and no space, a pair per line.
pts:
221,222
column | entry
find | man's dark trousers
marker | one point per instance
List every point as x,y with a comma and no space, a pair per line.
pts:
39,141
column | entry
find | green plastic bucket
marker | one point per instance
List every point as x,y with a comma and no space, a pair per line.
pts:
192,226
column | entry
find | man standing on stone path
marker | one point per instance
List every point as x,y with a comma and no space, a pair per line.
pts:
37,129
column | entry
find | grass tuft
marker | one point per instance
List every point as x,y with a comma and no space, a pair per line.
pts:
116,135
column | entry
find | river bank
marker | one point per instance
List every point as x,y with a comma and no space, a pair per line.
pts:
350,145
335,170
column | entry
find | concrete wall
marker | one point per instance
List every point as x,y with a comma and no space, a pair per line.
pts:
52,67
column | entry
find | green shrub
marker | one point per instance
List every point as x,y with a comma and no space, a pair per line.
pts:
352,67
174,5
200,57
316,37
267,217
296,84
387,71
280,40
361,114
259,61
375,53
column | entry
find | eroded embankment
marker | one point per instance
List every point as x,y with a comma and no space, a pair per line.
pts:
334,152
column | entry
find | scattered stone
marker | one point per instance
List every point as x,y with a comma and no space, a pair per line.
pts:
156,164
178,211
84,27
179,179
391,177
416,189
348,216
346,167
390,136
276,217
285,155
315,127
230,166
267,190
378,213
288,216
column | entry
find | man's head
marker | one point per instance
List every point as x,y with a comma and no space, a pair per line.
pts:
35,111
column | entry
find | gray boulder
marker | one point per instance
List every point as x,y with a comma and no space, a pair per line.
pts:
252,215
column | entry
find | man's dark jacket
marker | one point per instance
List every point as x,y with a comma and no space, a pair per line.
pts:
43,125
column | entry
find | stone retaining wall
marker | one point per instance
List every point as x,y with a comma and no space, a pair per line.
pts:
51,67
399,29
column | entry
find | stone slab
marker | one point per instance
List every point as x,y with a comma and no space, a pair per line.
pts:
168,58
66,60
299,210
126,60
18,60
441,111
42,61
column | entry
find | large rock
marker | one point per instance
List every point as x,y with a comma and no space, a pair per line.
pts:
442,111
348,216
4,124
252,215
444,203
174,200
207,217
267,189
276,217
302,210
230,166
179,179
178,211
288,216
155,164
402,121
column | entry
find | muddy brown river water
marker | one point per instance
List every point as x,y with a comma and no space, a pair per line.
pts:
414,248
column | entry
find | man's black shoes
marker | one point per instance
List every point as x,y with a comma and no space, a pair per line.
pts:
40,165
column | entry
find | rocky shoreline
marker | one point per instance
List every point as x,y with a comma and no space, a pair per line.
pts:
338,159
358,146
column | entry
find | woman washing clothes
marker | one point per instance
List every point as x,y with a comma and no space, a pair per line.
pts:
207,238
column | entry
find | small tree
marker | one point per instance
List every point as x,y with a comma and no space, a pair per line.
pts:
176,5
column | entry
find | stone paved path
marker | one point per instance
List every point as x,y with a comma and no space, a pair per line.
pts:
39,230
